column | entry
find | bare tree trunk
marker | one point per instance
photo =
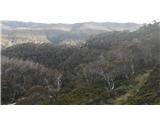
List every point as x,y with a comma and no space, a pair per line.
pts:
58,83
132,69
112,87
109,80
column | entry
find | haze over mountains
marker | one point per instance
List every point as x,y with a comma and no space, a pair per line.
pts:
16,32
80,64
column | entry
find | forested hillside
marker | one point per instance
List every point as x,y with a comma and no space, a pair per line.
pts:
112,67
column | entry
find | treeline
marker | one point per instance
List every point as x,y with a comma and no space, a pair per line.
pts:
19,76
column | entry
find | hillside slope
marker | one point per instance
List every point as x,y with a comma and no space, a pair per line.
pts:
14,32
117,67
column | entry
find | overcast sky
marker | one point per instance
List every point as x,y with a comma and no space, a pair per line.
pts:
73,11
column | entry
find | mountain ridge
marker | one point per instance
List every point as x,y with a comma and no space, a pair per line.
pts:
17,32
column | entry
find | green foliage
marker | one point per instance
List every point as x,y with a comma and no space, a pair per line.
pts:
147,90
85,95
37,95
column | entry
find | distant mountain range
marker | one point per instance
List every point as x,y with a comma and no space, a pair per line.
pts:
16,32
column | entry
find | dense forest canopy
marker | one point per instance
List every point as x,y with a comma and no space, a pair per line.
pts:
113,67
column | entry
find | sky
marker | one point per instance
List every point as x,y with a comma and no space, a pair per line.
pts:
75,11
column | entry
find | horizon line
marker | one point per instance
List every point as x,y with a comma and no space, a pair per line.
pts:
28,21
